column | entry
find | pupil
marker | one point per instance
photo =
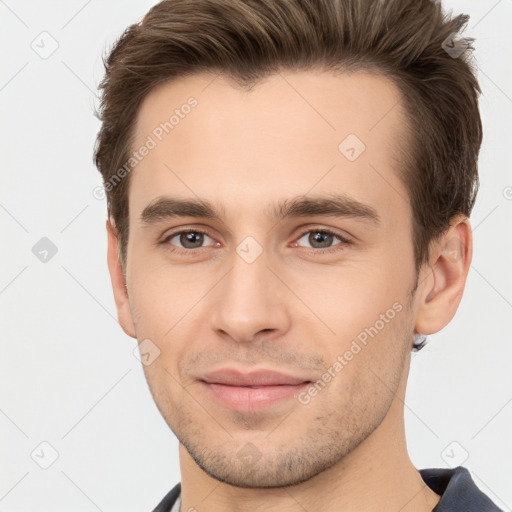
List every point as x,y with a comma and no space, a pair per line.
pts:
191,239
322,238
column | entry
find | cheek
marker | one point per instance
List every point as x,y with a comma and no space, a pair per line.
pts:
368,318
350,298
365,366
161,294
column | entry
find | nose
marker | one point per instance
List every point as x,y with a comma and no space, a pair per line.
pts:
251,300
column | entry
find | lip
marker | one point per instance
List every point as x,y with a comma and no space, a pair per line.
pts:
251,392
232,377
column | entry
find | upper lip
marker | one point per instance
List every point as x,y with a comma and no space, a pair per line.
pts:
233,377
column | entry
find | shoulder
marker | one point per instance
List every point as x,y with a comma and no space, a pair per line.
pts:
458,491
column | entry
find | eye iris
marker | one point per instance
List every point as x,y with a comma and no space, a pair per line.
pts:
196,239
325,239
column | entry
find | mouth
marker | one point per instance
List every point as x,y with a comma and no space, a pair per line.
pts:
251,392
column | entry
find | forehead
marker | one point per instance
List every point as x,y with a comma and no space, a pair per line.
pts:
291,134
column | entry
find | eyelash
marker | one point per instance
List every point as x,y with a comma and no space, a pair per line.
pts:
338,247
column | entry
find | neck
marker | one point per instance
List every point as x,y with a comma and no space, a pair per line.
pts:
376,475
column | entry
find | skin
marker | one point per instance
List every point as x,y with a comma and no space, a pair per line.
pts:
292,309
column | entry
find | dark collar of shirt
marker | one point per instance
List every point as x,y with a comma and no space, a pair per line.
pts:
457,489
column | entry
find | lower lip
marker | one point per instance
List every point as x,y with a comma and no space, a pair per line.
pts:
246,399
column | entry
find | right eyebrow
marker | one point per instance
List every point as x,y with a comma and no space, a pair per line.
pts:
169,207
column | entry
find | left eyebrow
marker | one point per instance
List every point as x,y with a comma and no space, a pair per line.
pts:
336,205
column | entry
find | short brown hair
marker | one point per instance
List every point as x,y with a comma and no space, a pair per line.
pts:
405,40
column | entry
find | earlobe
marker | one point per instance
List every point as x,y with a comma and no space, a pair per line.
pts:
442,291
118,283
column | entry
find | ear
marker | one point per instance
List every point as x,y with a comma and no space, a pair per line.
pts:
443,283
118,283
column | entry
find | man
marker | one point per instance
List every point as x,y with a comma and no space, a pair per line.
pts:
289,186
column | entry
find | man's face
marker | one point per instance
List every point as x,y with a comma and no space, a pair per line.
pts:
249,292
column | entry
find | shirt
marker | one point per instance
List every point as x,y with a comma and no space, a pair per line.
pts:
457,489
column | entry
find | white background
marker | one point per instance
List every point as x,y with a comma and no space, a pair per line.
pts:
68,373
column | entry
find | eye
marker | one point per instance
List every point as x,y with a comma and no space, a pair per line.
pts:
321,240
189,239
